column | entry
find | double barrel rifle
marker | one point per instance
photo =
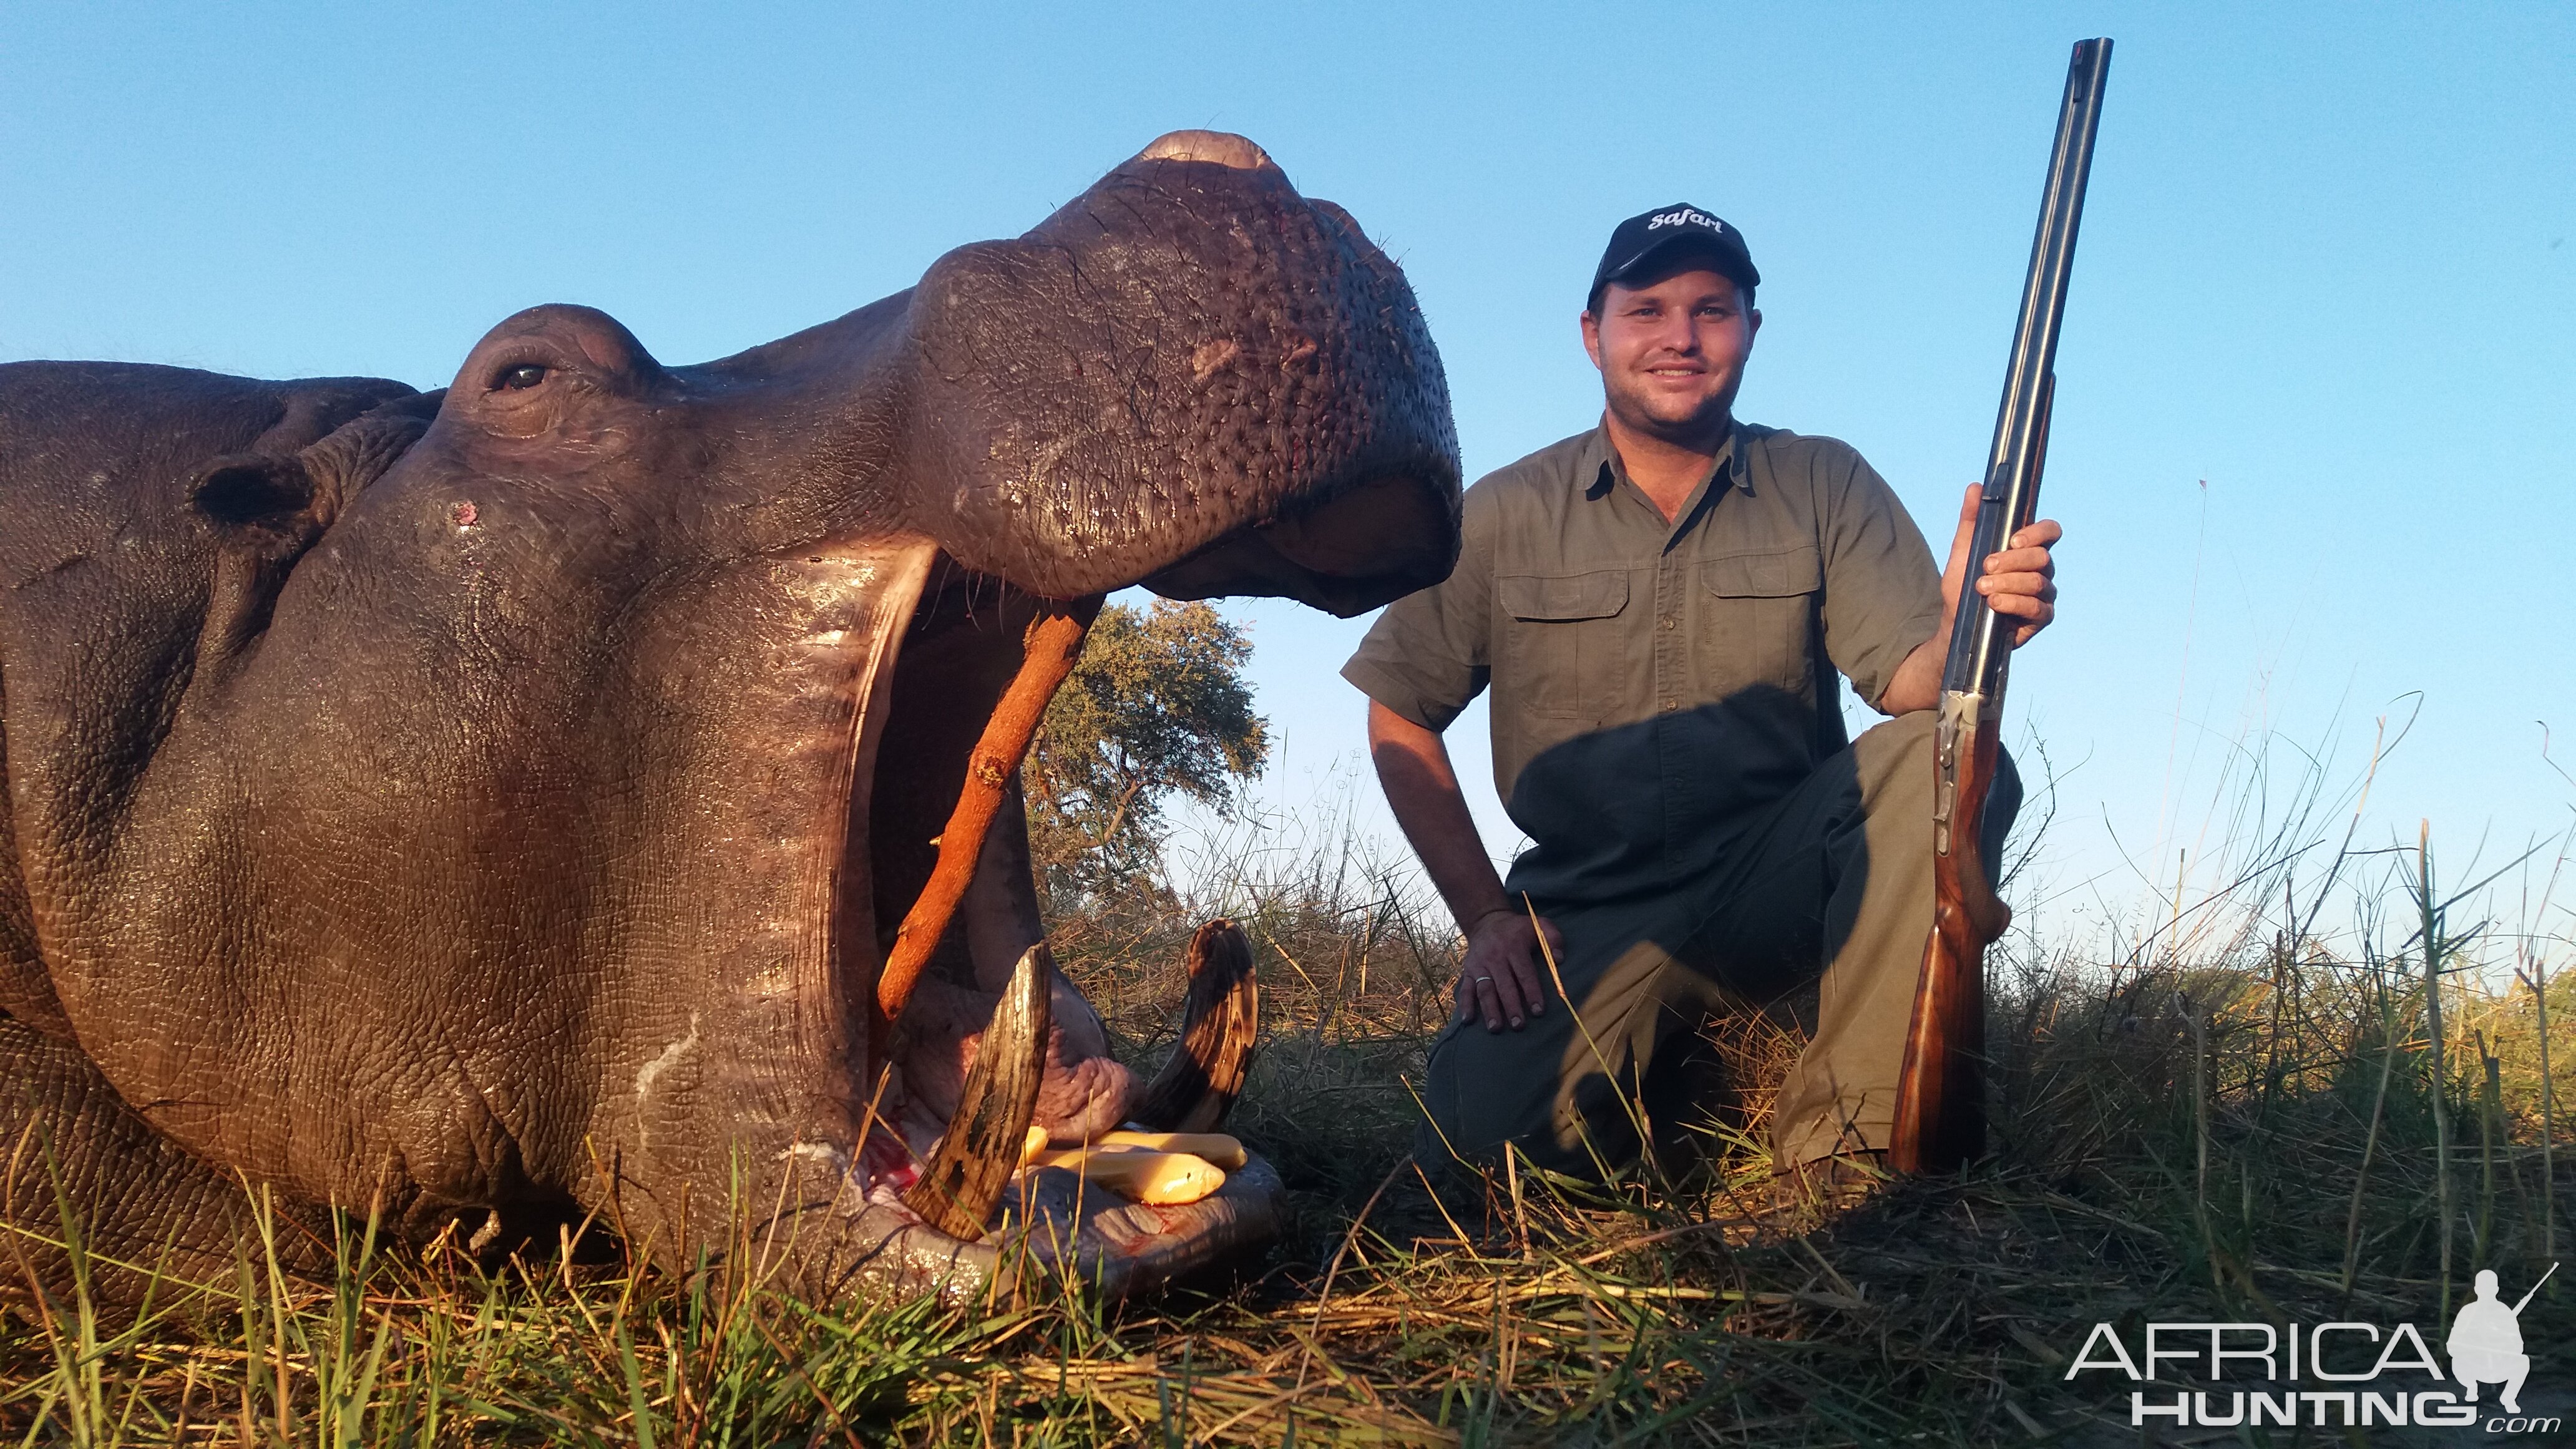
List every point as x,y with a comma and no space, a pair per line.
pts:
1940,1099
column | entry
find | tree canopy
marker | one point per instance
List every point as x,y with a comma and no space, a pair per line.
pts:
1156,708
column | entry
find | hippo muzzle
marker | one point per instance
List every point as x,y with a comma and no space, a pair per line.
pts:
594,786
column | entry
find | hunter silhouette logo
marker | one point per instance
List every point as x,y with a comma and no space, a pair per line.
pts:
2486,1342
2364,1376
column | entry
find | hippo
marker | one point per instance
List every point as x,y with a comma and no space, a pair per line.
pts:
588,791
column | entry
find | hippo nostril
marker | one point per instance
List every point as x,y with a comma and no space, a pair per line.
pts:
1222,147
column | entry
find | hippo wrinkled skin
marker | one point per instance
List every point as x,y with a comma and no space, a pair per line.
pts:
497,805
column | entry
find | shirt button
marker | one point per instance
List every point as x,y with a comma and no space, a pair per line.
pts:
1671,704
1671,623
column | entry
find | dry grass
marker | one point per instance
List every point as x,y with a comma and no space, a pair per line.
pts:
2241,1129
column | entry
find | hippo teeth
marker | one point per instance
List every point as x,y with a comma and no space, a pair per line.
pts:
1198,1083
962,1181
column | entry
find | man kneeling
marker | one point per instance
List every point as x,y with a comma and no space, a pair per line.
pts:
1664,605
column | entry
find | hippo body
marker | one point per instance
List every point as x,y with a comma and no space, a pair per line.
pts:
488,803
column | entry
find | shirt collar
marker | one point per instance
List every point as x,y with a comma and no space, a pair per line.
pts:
1602,470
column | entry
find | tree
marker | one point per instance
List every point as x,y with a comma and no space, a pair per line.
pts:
1157,707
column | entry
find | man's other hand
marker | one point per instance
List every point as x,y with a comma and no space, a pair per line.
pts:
2019,581
1501,976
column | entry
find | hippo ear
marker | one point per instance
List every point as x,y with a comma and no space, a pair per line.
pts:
266,509
244,493
269,500
261,510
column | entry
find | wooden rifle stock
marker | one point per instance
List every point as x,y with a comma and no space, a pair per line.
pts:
1941,1094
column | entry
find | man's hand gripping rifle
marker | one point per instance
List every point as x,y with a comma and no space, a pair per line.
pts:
1940,1099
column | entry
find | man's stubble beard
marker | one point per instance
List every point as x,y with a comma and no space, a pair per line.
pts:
1701,427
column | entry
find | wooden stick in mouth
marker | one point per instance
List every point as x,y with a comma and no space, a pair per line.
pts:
1050,647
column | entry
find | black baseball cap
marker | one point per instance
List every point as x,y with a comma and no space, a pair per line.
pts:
1649,237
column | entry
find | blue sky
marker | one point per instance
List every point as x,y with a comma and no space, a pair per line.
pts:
2314,438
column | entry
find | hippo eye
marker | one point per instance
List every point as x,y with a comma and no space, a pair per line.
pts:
525,375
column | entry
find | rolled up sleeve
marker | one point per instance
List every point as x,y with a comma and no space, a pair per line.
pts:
1428,654
1882,588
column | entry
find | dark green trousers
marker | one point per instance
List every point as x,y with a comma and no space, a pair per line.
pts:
1833,881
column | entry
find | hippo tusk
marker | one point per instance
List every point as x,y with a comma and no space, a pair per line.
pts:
1198,1084
963,1179
1049,648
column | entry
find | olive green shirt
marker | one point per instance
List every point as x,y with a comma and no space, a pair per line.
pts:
1657,684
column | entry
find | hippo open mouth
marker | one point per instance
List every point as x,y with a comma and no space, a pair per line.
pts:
991,1042
592,788
982,1048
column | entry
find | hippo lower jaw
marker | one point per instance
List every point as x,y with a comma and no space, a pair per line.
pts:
1052,1229
953,670
1043,1225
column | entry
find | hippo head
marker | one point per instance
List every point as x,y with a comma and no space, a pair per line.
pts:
568,752
1189,377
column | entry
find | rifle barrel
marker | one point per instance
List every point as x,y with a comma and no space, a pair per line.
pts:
2525,1300
1978,653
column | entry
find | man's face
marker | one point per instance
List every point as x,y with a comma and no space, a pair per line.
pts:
1672,351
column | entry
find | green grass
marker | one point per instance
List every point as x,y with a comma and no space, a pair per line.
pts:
2237,1122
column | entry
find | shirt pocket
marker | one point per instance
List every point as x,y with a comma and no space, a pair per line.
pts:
1562,643
1757,621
